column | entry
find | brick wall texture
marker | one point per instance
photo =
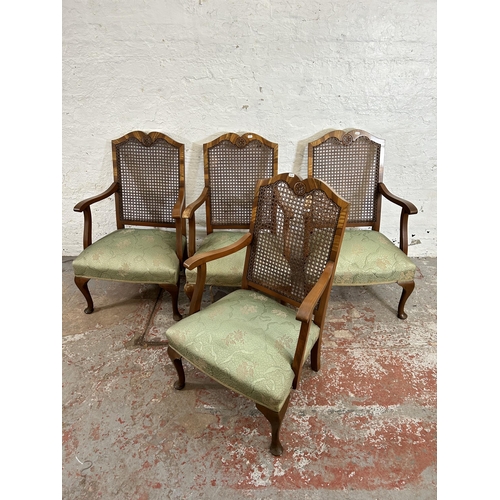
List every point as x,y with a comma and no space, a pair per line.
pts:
289,70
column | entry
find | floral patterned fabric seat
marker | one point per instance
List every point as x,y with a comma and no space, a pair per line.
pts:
370,258
226,271
131,255
252,357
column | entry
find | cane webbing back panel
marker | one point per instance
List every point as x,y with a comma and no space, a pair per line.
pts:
293,236
352,168
150,177
233,171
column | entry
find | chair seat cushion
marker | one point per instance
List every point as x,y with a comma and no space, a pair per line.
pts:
246,341
131,255
226,271
370,258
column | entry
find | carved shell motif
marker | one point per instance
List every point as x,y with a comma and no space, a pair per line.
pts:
241,142
347,139
299,189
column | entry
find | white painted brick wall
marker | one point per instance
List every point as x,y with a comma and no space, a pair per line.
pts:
288,70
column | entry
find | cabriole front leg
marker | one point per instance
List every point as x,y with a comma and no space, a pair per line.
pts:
275,419
177,361
82,284
408,287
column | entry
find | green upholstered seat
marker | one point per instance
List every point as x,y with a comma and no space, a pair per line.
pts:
226,271
247,342
370,258
131,255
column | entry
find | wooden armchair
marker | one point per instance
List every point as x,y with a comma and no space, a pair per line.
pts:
255,340
149,191
351,163
233,164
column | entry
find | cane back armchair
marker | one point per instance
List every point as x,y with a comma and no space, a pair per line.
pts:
351,163
255,340
232,166
149,191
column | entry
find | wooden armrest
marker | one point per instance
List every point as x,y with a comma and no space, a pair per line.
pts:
204,257
189,213
304,315
200,262
83,205
306,309
406,205
407,208
192,207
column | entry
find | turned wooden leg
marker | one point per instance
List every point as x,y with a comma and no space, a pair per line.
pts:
408,287
189,290
177,361
275,419
174,293
82,285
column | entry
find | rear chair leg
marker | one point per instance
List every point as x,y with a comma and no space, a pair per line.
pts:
82,285
408,287
316,356
189,290
174,293
177,361
275,419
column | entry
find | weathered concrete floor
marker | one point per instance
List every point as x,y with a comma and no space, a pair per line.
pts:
363,427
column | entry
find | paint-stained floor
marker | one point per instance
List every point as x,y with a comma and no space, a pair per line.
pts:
363,427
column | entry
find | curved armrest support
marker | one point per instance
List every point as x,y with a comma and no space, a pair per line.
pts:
204,257
192,207
84,206
305,314
200,262
306,309
189,213
407,208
